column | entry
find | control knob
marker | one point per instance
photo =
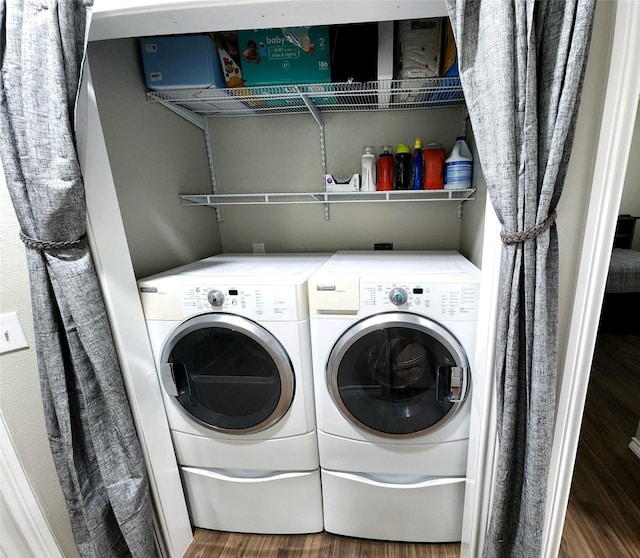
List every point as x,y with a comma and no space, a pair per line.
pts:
398,296
215,298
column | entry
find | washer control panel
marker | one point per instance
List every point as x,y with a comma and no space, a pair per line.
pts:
268,302
447,301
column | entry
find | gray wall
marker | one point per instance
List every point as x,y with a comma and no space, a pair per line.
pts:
282,154
155,155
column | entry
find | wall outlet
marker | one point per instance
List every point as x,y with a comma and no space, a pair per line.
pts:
11,335
383,246
258,248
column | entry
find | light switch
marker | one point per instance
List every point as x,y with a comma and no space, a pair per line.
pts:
11,335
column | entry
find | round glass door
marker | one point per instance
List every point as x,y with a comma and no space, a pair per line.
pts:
228,373
398,375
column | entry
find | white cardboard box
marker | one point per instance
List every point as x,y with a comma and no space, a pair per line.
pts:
385,62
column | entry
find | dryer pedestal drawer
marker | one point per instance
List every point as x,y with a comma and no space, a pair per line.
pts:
424,511
436,460
292,453
282,503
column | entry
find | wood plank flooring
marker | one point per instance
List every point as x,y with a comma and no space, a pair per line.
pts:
207,544
603,517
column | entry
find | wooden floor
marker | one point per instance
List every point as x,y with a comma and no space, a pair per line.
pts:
603,517
322,545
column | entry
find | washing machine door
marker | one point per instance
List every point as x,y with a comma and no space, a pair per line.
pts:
228,373
398,375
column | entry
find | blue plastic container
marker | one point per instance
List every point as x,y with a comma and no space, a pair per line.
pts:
418,166
175,62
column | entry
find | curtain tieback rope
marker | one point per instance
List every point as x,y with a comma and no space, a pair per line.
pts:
534,232
47,245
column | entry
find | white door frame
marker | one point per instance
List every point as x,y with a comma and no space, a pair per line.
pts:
25,530
616,132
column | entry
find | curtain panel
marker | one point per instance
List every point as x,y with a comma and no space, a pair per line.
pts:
521,66
93,440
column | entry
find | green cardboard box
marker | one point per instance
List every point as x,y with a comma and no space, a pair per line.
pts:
285,56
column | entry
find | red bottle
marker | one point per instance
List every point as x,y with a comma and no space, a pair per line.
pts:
433,156
385,168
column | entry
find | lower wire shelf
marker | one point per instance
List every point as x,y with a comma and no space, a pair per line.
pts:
286,198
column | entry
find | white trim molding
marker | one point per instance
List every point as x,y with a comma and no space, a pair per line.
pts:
634,446
614,143
483,431
25,530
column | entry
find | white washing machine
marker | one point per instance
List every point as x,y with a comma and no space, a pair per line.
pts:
393,337
230,335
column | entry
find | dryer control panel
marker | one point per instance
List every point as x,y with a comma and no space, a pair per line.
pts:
445,301
264,303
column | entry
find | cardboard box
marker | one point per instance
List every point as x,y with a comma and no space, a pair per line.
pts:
230,58
448,69
285,56
385,62
342,183
418,48
175,62
385,50
449,55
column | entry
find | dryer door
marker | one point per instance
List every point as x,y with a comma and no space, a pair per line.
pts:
398,374
228,373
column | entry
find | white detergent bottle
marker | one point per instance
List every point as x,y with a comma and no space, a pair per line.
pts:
369,169
458,167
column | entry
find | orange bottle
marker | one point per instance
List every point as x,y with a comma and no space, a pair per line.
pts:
385,168
433,156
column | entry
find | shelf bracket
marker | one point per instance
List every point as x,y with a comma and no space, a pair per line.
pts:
195,119
202,123
313,109
212,170
323,163
317,116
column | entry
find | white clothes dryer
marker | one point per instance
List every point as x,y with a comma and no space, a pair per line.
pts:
231,340
393,338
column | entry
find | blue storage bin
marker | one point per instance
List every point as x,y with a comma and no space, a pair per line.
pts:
187,61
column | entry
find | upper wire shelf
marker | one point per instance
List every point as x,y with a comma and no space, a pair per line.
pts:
323,97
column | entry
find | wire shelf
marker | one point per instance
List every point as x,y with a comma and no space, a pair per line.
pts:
324,97
287,198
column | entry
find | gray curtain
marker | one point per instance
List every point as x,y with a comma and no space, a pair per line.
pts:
93,440
521,67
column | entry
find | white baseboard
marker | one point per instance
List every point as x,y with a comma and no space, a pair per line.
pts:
634,446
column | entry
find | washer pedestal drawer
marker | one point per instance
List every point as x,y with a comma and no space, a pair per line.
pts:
422,510
275,503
